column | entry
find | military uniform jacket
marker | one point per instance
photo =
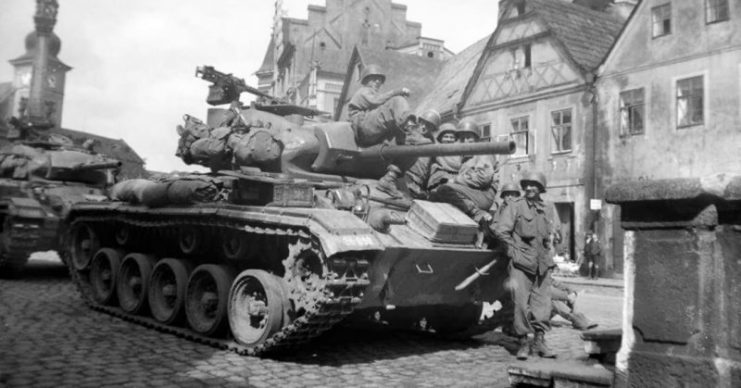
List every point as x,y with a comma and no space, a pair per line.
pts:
525,227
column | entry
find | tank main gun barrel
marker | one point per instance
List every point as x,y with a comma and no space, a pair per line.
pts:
462,149
97,166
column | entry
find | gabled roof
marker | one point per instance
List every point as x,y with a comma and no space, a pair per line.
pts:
587,35
402,70
452,79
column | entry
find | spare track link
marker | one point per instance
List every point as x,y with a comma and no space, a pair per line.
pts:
347,291
23,241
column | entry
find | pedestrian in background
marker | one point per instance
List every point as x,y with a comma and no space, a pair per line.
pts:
592,252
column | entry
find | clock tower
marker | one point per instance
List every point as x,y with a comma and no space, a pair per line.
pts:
39,75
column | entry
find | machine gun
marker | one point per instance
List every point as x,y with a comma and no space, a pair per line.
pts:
226,88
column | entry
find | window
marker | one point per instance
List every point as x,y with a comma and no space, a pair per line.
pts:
690,102
716,11
486,132
520,134
631,112
561,130
526,50
661,20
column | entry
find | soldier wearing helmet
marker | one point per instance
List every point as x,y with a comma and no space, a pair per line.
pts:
468,132
444,168
525,226
429,121
377,117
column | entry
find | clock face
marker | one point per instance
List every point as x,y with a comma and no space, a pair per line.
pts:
25,78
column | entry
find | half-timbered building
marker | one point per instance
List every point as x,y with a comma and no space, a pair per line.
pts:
534,83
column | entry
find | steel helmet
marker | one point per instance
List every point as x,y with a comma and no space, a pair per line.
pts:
445,128
536,177
468,126
372,70
431,116
509,188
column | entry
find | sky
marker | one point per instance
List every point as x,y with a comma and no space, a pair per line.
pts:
133,61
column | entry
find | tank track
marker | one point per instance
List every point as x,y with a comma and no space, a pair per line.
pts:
346,280
22,240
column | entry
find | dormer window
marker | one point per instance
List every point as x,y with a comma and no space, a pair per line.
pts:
520,7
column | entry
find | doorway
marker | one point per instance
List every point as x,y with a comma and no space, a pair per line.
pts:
565,211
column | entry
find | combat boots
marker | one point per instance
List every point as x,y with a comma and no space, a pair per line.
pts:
580,322
540,348
388,183
523,352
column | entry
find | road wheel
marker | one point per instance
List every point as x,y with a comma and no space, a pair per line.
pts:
234,244
133,282
85,243
167,290
207,298
256,306
104,269
191,240
124,235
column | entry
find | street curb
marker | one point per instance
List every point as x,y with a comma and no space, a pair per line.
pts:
602,282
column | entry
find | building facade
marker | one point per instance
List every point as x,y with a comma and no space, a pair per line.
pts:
306,60
670,96
534,84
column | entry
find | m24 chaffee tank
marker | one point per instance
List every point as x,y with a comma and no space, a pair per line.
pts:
39,182
287,237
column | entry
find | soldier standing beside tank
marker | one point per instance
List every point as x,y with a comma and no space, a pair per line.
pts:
525,228
418,175
377,117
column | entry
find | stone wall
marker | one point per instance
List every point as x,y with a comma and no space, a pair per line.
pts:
683,282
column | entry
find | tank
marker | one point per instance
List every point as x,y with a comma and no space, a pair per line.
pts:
39,182
285,239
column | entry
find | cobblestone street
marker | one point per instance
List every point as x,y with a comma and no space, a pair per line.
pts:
48,338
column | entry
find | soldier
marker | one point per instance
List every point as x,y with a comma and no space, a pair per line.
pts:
418,175
445,168
525,228
377,117
563,300
509,193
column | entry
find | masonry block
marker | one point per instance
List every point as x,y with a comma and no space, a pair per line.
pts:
686,245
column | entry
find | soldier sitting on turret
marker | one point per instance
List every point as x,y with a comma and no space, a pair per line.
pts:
377,117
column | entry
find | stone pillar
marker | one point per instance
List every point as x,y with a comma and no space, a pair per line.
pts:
682,323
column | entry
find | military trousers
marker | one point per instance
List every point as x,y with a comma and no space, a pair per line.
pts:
382,123
531,294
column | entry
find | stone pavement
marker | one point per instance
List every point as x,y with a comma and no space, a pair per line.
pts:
48,338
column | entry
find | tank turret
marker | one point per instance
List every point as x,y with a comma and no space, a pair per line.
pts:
40,180
263,136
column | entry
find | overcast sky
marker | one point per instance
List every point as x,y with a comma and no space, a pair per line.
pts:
133,60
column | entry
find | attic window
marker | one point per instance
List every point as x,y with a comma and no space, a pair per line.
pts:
661,20
430,54
322,45
520,7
